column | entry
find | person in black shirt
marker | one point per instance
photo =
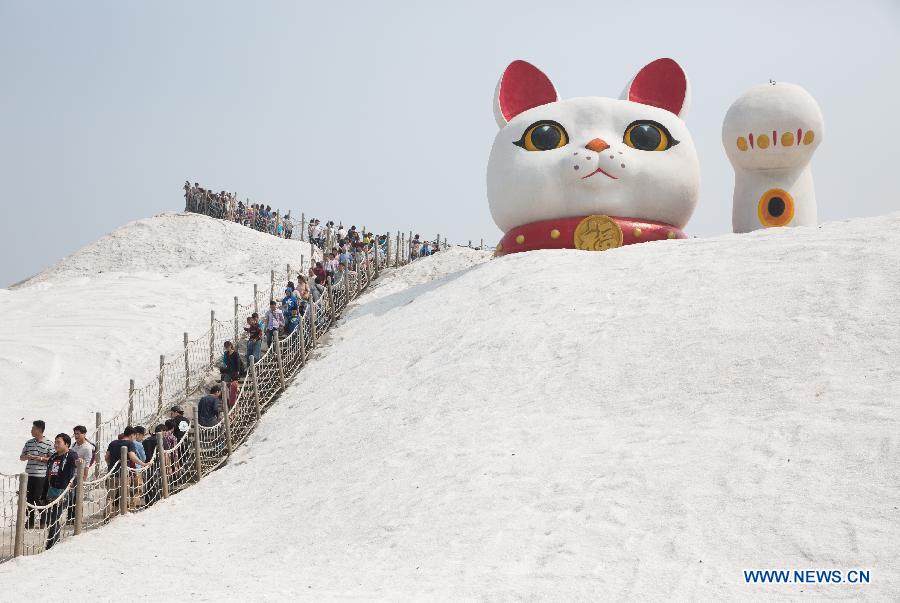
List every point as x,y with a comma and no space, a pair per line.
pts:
179,421
113,451
231,363
60,472
153,444
209,408
114,486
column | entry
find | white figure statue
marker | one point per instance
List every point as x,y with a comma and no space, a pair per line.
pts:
770,134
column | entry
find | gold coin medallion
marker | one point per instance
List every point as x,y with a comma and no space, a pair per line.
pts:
598,233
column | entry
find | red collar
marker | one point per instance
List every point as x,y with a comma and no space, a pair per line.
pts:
592,233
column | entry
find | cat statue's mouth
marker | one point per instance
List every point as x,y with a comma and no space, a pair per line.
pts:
599,171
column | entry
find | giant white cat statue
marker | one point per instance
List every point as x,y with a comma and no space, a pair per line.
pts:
591,173
770,134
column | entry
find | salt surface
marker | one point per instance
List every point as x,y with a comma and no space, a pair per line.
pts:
639,424
76,333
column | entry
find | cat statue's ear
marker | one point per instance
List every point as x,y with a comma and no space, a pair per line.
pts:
662,84
521,87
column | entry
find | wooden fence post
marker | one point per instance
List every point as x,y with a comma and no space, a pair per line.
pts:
312,324
97,421
272,286
79,499
163,464
397,259
236,321
279,358
255,383
255,298
198,459
162,364
288,272
187,369
228,443
131,402
375,250
19,546
481,245
123,480
302,336
212,336
387,249
331,309
302,226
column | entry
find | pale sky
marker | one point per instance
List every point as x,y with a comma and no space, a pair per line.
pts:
379,113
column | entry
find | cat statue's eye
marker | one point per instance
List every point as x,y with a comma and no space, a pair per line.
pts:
543,136
647,135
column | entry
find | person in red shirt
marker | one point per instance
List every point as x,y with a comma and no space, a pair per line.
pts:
254,338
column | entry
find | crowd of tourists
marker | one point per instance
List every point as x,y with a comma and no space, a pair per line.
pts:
330,237
53,465
225,205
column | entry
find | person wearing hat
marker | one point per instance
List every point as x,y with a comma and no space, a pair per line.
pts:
180,422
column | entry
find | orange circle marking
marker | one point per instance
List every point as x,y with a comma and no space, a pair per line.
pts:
768,208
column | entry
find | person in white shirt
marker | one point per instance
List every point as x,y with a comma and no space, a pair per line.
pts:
273,320
83,447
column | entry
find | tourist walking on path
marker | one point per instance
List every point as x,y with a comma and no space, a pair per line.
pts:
273,320
84,448
37,453
254,338
60,473
209,408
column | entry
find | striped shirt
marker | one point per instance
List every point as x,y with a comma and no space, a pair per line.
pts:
36,448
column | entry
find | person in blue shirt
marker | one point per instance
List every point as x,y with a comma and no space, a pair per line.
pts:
293,322
289,302
139,433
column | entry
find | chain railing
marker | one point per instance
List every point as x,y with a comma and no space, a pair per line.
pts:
94,498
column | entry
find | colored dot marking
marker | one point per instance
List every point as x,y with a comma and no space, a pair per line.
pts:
787,139
554,234
741,143
637,233
671,234
763,141
622,164
576,168
808,137
499,247
520,239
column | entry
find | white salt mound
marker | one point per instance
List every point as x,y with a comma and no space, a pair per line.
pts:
639,424
77,332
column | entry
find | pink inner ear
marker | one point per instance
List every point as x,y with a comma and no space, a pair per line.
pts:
522,87
662,84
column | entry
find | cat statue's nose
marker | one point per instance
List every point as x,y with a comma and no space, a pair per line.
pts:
597,145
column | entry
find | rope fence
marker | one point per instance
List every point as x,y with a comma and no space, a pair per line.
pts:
95,497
